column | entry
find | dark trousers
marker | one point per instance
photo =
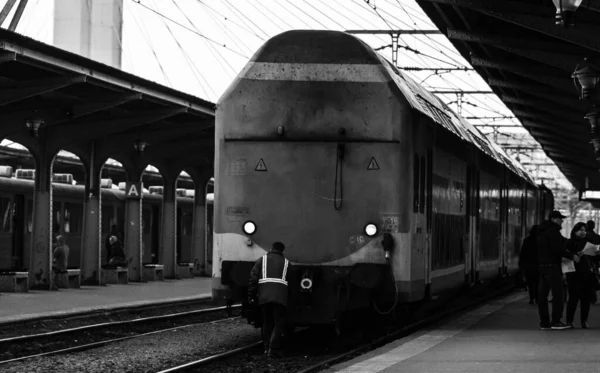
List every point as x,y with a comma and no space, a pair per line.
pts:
273,325
550,278
579,291
533,277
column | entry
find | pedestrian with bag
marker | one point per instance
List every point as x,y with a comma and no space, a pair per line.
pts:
269,288
551,250
579,281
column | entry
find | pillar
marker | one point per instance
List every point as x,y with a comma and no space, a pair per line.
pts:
91,258
40,257
168,237
133,225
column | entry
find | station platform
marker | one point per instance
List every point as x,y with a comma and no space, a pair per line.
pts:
37,304
500,336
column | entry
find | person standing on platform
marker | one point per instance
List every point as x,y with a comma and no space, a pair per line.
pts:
268,284
593,238
551,250
580,289
60,259
528,263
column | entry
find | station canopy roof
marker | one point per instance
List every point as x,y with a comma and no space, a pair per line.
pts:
529,62
79,101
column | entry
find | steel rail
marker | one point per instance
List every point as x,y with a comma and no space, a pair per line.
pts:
114,323
212,358
109,341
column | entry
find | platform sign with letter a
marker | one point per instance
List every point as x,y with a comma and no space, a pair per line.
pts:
133,190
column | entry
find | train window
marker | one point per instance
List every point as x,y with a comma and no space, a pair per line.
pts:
57,221
146,220
29,216
73,217
416,184
422,199
6,209
187,223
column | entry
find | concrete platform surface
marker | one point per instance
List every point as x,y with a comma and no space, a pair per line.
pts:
500,336
36,304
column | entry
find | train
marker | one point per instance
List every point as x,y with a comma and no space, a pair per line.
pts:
382,195
16,208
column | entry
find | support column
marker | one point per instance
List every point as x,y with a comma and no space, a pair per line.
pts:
133,230
40,262
168,236
91,271
200,234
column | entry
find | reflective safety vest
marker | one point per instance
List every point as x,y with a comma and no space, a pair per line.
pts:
266,279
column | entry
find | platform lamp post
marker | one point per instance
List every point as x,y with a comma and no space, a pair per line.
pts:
33,125
565,10
139,145
594,117
586,77
596,142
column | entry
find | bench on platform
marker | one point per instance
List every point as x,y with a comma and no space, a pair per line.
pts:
14,282
185,270
118,275
70,278
154,272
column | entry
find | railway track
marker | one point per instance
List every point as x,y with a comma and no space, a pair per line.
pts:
78,338
300,363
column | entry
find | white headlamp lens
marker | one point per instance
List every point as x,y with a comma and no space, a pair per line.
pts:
249,227
371,230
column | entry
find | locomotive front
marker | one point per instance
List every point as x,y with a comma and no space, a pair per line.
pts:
309,152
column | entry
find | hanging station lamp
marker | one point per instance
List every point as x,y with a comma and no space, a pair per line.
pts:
594,117
565,10
586,77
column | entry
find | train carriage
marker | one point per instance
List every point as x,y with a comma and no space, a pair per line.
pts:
370,181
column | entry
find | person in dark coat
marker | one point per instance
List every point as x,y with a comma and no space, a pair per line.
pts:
551,250
268,287
118,257
580,289
528,263
60,259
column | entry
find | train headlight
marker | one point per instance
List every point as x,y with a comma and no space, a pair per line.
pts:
370,229
249,228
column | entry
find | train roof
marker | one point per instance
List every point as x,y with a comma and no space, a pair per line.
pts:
430,105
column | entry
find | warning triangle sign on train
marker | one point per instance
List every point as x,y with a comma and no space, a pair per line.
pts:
261,166
373,165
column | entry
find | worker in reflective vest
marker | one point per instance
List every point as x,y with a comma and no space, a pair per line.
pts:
268,283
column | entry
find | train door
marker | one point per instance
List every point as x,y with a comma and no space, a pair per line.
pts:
155,234
428,221
178,234
18,221
7,260
469,276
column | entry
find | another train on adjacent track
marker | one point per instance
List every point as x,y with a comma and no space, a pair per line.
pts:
378,190
16,207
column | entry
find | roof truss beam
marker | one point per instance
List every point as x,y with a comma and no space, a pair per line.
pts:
535,73
23,90
533,20
529,49
91,130
528,113
105,103
540,91
564,112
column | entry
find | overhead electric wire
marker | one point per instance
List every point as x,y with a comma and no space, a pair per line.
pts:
246,17
267,9
324,14
149,43
187,57
210,47
218,24
228,19
187,28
